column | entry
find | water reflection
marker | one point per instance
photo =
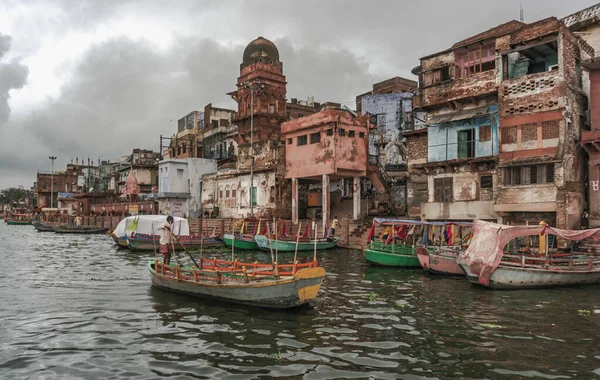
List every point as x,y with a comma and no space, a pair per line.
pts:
77,307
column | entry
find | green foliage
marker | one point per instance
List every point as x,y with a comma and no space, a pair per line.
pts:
12,195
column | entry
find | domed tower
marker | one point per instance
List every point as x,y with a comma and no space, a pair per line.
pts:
261,84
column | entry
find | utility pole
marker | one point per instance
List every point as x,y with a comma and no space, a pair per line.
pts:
251,151
52,182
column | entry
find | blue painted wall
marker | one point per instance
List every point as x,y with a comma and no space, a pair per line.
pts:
443,141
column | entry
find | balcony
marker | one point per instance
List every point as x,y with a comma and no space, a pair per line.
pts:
474,85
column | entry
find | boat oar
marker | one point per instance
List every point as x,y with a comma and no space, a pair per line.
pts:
185,249
154,241
201,237
232,244
316,232
297,240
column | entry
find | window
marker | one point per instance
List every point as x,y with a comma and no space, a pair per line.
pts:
526,175
215,123
466,143
442,188
315,137
302,140
509,135
220,194
531,60
486,182
179,172
289,141
529,132
300,115
183,149
550,129
272,108
227,191
361,135
482,58
342,132
351,133
485,133
436,76
233,193
330,132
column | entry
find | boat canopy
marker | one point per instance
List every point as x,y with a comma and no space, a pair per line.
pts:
145,224
486,249
410,222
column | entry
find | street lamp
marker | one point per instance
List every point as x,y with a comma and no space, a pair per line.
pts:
52,182
252,87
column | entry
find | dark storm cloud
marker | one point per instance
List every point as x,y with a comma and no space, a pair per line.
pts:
13,75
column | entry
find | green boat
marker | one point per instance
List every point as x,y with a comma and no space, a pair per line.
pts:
391,255
245,242
18,222
290,245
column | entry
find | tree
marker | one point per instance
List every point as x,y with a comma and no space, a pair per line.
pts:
12,195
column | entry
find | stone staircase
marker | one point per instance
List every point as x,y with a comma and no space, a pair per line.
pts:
589,246
359,230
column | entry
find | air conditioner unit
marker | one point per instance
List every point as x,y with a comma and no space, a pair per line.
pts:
552,67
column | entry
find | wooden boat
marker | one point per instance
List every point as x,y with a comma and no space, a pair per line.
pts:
14,222
407,244
391,255
290,245
253,284
70,229
440,260
240,241
147,242
486,263
44,226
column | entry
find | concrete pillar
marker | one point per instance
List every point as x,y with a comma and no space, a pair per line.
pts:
294,200
325,203
356,198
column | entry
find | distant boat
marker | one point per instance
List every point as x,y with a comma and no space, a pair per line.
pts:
266,244
44,226
18,219
71,229
242,283
486,263
244,241
410,247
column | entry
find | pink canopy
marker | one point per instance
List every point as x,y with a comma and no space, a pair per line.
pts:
486,249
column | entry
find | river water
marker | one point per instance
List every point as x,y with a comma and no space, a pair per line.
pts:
76,307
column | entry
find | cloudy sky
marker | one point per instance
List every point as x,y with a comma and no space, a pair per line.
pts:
99,78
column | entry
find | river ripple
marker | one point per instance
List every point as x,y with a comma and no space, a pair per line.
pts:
75,307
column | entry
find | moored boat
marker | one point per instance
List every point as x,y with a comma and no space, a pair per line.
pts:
14,222
146,242
281,245
289,285
70,229
440,260
486,263
146,224
391,255
240,241
44,226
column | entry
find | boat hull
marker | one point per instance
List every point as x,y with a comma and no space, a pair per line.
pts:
290,246
239,243
526,278
391,259
437,263
281,293
82,231
44,227
18,222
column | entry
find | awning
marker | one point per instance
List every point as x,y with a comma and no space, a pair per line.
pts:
460,115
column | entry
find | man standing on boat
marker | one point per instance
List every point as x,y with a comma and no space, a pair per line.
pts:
334,225
166,235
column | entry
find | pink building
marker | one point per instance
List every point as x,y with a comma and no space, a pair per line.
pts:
329,145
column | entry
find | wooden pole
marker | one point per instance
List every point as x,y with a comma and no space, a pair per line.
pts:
233,244
270,244
154,241
276,243
297,240
316,232
201,237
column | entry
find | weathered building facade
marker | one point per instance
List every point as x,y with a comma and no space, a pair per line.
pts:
329,145
542,111
458,89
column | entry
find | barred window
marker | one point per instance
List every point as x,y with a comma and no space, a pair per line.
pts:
486,182
509,135
302,140
550,129
315,137
529,132
525,175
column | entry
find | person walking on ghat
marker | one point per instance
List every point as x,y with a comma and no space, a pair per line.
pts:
166,236
334,225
